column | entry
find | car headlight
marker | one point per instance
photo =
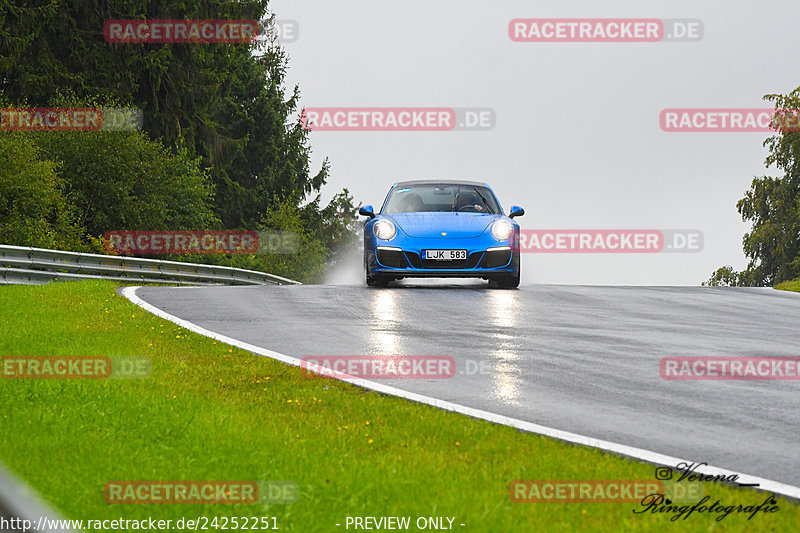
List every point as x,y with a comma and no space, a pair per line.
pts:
384,229
502,230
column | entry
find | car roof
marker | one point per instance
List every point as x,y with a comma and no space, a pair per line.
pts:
443,182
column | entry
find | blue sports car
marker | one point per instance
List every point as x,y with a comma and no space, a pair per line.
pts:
432,228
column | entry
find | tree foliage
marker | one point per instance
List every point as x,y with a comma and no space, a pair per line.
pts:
33,208
224,102
772,205
222,143
123,180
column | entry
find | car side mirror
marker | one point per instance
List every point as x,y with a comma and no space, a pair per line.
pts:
367,211
516,211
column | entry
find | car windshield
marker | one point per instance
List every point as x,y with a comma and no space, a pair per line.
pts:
444,197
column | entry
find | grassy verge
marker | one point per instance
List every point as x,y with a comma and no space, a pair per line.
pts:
212,412
793,286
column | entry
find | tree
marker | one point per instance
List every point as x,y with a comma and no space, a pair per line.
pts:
724,276
33,209
223,102
123,180
773,207
337,226
219,125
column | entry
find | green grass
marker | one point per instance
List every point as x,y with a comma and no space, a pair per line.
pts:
793,286
212,412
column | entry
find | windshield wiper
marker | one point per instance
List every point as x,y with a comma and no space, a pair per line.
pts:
483,198
455,199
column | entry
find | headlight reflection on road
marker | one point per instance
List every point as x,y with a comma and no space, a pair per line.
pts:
383,323
504,317
505,378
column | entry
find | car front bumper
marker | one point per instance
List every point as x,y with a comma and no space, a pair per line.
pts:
405,257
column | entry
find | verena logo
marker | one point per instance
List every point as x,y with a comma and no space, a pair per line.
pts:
589,30
180,242
349,367
555,241
730,120
730,368
180,31
397,119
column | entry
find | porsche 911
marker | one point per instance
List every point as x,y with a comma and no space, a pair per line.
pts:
433,228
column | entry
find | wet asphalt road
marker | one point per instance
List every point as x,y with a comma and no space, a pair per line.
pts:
583,359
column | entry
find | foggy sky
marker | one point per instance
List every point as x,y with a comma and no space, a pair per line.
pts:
577,140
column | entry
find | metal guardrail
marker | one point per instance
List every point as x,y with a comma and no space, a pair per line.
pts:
33,266
19,502
22,265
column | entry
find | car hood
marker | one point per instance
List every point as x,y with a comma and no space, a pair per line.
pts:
431,225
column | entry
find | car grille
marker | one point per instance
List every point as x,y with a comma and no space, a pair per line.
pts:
398,259
427,263
413,259
472,260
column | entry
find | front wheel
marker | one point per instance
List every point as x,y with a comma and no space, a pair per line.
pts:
376,281
508,282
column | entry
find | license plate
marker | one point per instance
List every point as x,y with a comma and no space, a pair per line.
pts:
445,255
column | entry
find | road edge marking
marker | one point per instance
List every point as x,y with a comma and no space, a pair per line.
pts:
655,458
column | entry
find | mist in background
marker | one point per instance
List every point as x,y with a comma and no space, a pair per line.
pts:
577,140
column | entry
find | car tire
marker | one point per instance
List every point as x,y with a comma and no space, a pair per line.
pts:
508,282
376,281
